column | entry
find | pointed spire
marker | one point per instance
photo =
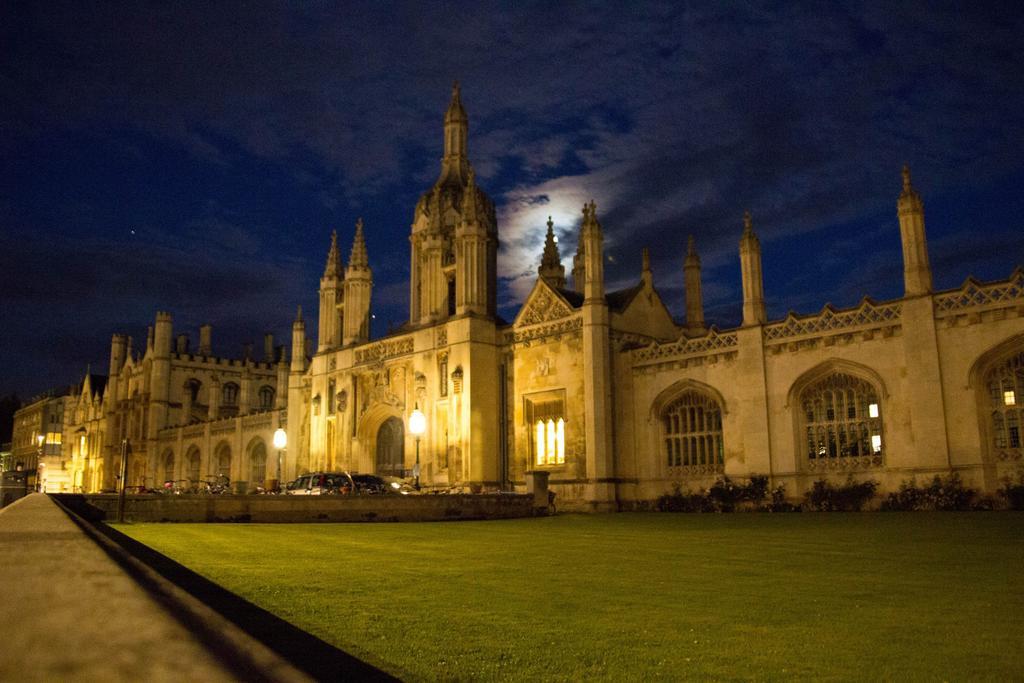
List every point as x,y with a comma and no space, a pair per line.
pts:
551,268
298,315
692,258
455,112
748,224
909,198
333,268
358,257
646,276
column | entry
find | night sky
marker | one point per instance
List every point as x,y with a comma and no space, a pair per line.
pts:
194,157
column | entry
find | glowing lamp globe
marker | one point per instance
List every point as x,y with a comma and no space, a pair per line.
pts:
280,439
417,422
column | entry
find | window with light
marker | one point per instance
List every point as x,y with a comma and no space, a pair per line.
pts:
545,416
842,422
1005,385
692,432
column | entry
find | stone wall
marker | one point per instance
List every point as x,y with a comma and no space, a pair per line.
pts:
300,509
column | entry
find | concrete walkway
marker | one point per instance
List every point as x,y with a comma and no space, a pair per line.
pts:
70,612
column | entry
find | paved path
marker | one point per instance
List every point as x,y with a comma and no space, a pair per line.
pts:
68,611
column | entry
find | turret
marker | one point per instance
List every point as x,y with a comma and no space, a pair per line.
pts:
329,329
281,395
592,239
268,347
551,268
753,280
358,288
205,340
298,343
472,285
694,294
917,273
160,374
578,268
118,354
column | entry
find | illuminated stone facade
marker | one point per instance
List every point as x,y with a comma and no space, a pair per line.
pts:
603,390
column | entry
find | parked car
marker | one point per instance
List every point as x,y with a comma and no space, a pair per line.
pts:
321,483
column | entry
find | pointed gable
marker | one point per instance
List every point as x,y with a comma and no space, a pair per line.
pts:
544,304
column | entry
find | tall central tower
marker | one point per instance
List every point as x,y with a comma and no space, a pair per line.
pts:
454,240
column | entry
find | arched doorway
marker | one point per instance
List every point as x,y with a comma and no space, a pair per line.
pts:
390,447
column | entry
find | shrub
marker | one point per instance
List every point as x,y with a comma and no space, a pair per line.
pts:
677,501
1013,492
940,494
723,496
848,497
779,502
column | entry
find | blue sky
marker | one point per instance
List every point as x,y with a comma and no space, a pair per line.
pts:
195,158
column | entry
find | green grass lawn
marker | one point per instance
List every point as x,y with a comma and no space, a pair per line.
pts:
635,596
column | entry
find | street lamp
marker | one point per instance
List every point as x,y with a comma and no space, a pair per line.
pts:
280,442
417,425
40,464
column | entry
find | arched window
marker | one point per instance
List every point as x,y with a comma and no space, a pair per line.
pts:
266,397
229,394
257,464
692,433
842,423
168,466
1004,384
223,460
192,462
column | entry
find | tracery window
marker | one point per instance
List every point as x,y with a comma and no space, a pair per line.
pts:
224,460
692,427
266,398
229,394
258,464
192,461
545,416
842,423
169,466
1005,387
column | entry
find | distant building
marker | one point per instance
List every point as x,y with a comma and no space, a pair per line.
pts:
617,401
37,440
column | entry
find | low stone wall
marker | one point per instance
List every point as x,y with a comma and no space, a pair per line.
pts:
300,509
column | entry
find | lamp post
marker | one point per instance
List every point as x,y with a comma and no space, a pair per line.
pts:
280,442
40,464
417,425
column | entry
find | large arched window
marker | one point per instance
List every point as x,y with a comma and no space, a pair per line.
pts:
841,423
1004,385
223,460
192,463
692,434
168,466
257,464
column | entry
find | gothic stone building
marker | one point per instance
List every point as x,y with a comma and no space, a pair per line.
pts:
603,390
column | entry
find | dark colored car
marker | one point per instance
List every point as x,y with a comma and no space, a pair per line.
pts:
321,483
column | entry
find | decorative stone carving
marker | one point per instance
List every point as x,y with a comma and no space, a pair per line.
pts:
973,294
543,307
342,400
384,349
710,343
565,326
457,380
868,314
